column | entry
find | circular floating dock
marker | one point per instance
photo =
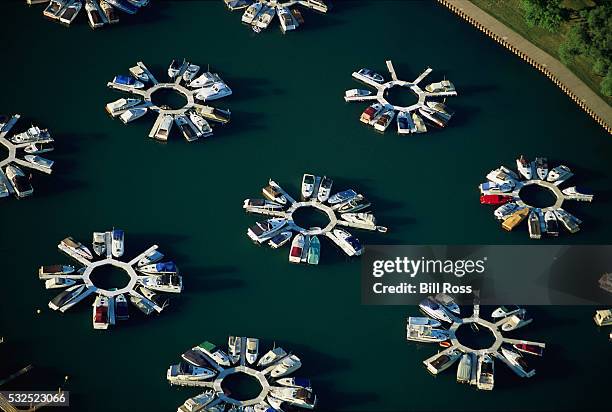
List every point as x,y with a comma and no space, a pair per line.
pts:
150,279
98,12
441,326
259,14
24,152
208,366
341,211
410,119
508,189
193,119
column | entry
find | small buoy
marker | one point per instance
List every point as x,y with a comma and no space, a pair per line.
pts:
66,378
38,311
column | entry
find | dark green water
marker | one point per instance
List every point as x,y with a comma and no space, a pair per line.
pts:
288,118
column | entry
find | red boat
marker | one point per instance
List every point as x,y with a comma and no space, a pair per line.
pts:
530,349
494,199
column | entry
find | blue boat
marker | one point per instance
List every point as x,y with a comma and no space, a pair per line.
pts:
127,80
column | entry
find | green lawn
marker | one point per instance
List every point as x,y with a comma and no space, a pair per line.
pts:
510,13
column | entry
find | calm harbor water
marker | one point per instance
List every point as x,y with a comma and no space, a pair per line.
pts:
288,118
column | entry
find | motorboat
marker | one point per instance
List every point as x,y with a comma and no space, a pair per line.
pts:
347,242
124,6
444,86
132,114
443,361
201,124
263,231
121,307
308,185
264,18
515,321
360,217
119,106
484,373
297,247
448,302
434,310
46,272
129,81
99,243
288,365
384,121
197,358
216,91
491,188
578,193
160,268
356,204
33,134
317,5
252,350
66,296
529,348
503,175
100,313
109,12
271,357
205,79
430,118
314,251
251,12
39,161
541,166
535,230
214,114
153,256
505,210
214,353
425,333
143,304
441,109
356,94
300,397
198,403
342,197
552,224
165,126
559,174
505,311
54,8
370,113
234,345
569,221
117,242
603,317
324,189
261,204
280,240
140,74
405,124
175,67
38,148
190,73
418,123
186,127
59,283
515,219
70,13
295,382
76,247
371,75
187,372
525,167
464,370
423,321
517,361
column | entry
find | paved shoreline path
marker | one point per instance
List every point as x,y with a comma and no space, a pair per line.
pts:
575,88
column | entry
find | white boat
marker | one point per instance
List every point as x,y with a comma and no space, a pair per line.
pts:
264,231
517,360
603,317
165,126
100,316
502,175
448,302
251,12
198,403
273,193
342,197
252,350
425,333
271,357
442,362
119,106
464,370
431,118
215,91
201,124
505,311
405,124
308,184
578,193
280,240
38,148
361,217
264,18
418,123
66,296
434,310
355,204
559,174
288,365
370,113
54,8
552,224
188,130
440,87
297,248
324,189
214,353
349,243
190,73
355,94
121,307
160,268
117,242
152,257
127,81
287,21
19,181
533,223
441,109
484,373
139,73
187,372
109,12
144,305
132,114
423,321
33,134
46,272
234,344
371,75
525,167
300,397
205,79
70,13
99,243
39,161
569,221
76,247
383,122
541,166
58,283
515,321
175,67
261,204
